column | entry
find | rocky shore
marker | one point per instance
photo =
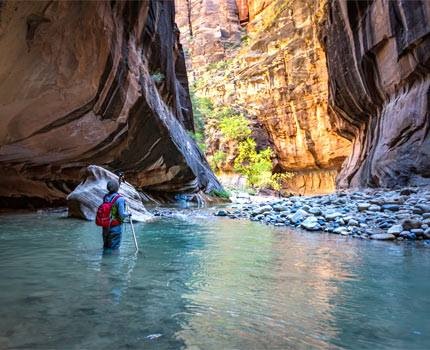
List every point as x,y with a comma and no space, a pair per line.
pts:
399,215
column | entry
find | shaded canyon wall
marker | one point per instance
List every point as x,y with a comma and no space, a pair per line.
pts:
378,55
93,83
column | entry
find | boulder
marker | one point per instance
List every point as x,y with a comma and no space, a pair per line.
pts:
86,198
332,216
311,224
261,210
395,229
299,215
363,206
391,207
410,224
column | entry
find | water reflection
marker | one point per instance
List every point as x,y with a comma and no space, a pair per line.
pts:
206,283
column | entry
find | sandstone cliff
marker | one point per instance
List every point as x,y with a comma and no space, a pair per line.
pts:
93,83
378,55
278,76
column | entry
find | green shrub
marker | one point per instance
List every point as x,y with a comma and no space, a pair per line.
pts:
235,127
220,194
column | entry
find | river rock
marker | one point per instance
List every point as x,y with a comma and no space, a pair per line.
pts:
374,208
395,229
383,236
332,216
418,231
221,213
311,224
315,211
391,207
261,210
410,224
280,208
299,215
353,222
363,206
424,207
340,230
86,198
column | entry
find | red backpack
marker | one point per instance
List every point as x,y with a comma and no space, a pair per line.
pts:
103,218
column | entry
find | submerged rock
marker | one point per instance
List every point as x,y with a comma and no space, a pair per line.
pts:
86,198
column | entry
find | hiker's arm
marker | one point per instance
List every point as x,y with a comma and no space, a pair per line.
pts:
121,212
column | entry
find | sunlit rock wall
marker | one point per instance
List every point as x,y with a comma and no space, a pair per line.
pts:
379,71
279,78
93,82
207,28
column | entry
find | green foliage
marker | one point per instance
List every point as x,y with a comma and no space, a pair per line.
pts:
217,161
278,178
256,166
220,194
234,126
202,108
218,65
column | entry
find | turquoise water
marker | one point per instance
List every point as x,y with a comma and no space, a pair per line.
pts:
207,283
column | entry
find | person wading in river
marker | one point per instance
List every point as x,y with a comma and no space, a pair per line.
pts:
113,233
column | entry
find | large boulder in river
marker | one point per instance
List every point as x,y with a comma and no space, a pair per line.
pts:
86,198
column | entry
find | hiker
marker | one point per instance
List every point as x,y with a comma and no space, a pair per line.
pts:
112,234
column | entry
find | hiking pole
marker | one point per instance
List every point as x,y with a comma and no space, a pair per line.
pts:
134,235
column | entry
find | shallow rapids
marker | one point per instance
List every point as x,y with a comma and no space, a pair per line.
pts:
207,283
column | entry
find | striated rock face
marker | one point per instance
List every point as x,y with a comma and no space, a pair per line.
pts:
280,80
93,83
207,29
378,55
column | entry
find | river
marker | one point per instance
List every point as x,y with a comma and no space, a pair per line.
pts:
203,282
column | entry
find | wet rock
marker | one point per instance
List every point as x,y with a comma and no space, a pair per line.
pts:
86,198
410,224
363,206
315,211
261,210
391,207
331,216
299,215
411,236
221,213
383,236
311,224
418,232
374,208
340,230
424,207
395,229
353,222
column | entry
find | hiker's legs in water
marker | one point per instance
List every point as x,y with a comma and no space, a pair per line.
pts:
112,237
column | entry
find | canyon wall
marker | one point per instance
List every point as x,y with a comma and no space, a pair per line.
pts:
378,55
93,82
277,75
